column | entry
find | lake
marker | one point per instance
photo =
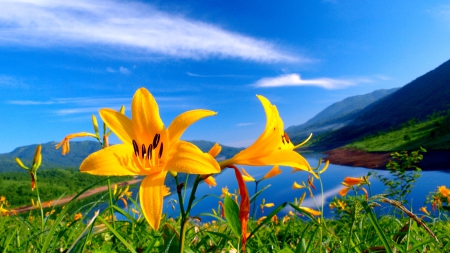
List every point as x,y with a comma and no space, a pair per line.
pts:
281,190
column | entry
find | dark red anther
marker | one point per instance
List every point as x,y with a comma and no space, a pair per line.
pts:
161,150
156,140
136,148
143,151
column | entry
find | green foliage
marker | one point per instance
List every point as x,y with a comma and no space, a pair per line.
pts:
433,134
404,171
53,183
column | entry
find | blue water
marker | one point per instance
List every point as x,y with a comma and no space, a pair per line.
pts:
281,190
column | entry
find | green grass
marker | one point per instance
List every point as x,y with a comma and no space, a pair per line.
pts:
433,134
53,184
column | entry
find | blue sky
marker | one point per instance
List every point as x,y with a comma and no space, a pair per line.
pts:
61,61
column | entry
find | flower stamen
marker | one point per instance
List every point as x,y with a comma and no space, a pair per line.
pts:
143,151
156,140
136,149
160,150
149,154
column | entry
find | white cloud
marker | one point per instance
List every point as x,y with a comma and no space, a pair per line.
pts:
136,29
324,82
11,82
124,70
198,75
244,124
110,70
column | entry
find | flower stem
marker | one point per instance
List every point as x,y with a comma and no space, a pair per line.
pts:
185,216
40,205
254,201
111,203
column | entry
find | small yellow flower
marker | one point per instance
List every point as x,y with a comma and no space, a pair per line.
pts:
444,191
351,181
273,172
210,181
78,216
424,210
261,219
310,211
65,142
247,177
225,192
297,186
344,191
215,150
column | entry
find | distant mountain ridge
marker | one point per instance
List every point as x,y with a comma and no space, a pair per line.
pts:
418,99
337,115
79,150
421,97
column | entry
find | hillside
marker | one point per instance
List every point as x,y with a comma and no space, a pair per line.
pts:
79,150
432,134
419,98
336,115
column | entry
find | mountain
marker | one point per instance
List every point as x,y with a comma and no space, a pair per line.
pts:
428,94
336,115
79,150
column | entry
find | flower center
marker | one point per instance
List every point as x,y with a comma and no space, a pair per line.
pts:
147,155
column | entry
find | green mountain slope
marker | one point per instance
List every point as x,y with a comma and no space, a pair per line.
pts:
419,98
433,134
336,115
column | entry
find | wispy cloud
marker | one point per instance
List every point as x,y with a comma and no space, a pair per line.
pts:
126,26
10,82
74,101
198,75
324,82
79,105
244,124
121,70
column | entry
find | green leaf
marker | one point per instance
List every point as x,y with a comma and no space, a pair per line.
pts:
253,198
119,236
232,215
171,239
377,227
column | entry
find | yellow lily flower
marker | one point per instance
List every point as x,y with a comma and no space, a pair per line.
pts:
151,150
424,210
443,190
247,177
351,181
297,186
310,211
344,191
273,147
65,142
273,172
210,181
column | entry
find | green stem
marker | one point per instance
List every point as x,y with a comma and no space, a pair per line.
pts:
185,217
40,205
111,203
254,201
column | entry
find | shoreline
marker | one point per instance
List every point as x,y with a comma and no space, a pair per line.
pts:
67,199
432,160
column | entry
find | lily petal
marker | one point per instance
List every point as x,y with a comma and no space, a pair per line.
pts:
188,158
278,157
119,124
151,195
145,115
184,120
116,160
